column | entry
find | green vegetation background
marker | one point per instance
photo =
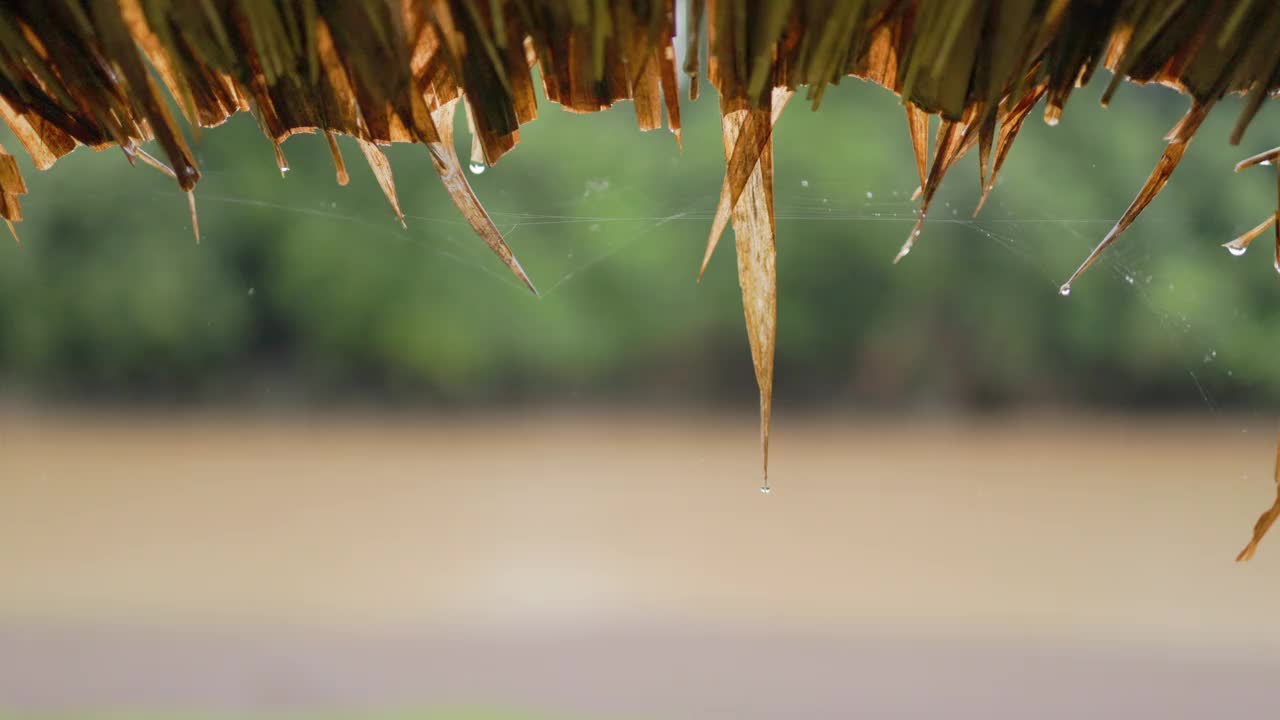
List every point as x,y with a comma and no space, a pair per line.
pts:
303,291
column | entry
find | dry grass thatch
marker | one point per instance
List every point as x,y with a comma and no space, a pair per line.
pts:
76,72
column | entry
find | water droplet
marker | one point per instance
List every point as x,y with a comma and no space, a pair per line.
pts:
1265,162
477,168
1065,290
1236,250
766,489
252,291
284,169
804,183
1128,279
869,195
1277,264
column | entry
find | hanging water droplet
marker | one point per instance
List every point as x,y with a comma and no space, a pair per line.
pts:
766,489
1236,250
1265,162
1065,290
477,168
1277,264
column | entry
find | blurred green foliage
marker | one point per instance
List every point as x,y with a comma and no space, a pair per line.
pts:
303,290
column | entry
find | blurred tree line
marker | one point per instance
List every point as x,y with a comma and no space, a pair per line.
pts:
302,290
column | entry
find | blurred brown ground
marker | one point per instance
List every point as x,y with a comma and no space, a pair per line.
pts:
583,562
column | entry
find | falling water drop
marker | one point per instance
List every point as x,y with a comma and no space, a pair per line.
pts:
1065,290
477,168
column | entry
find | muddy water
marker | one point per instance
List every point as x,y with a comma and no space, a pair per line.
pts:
1032,520
554,560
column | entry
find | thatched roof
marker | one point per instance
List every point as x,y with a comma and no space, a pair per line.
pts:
80,72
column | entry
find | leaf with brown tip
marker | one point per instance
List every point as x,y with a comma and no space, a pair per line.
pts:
1265,521
1010,126
1173,152
753,227
918,126
11,186
750,140
444,157
195,220
950,144
1266,157
381,168
339,165
1241,243
151,160
986,137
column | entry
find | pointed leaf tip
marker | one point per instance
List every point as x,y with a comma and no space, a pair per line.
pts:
195,220
1265,521
444,158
